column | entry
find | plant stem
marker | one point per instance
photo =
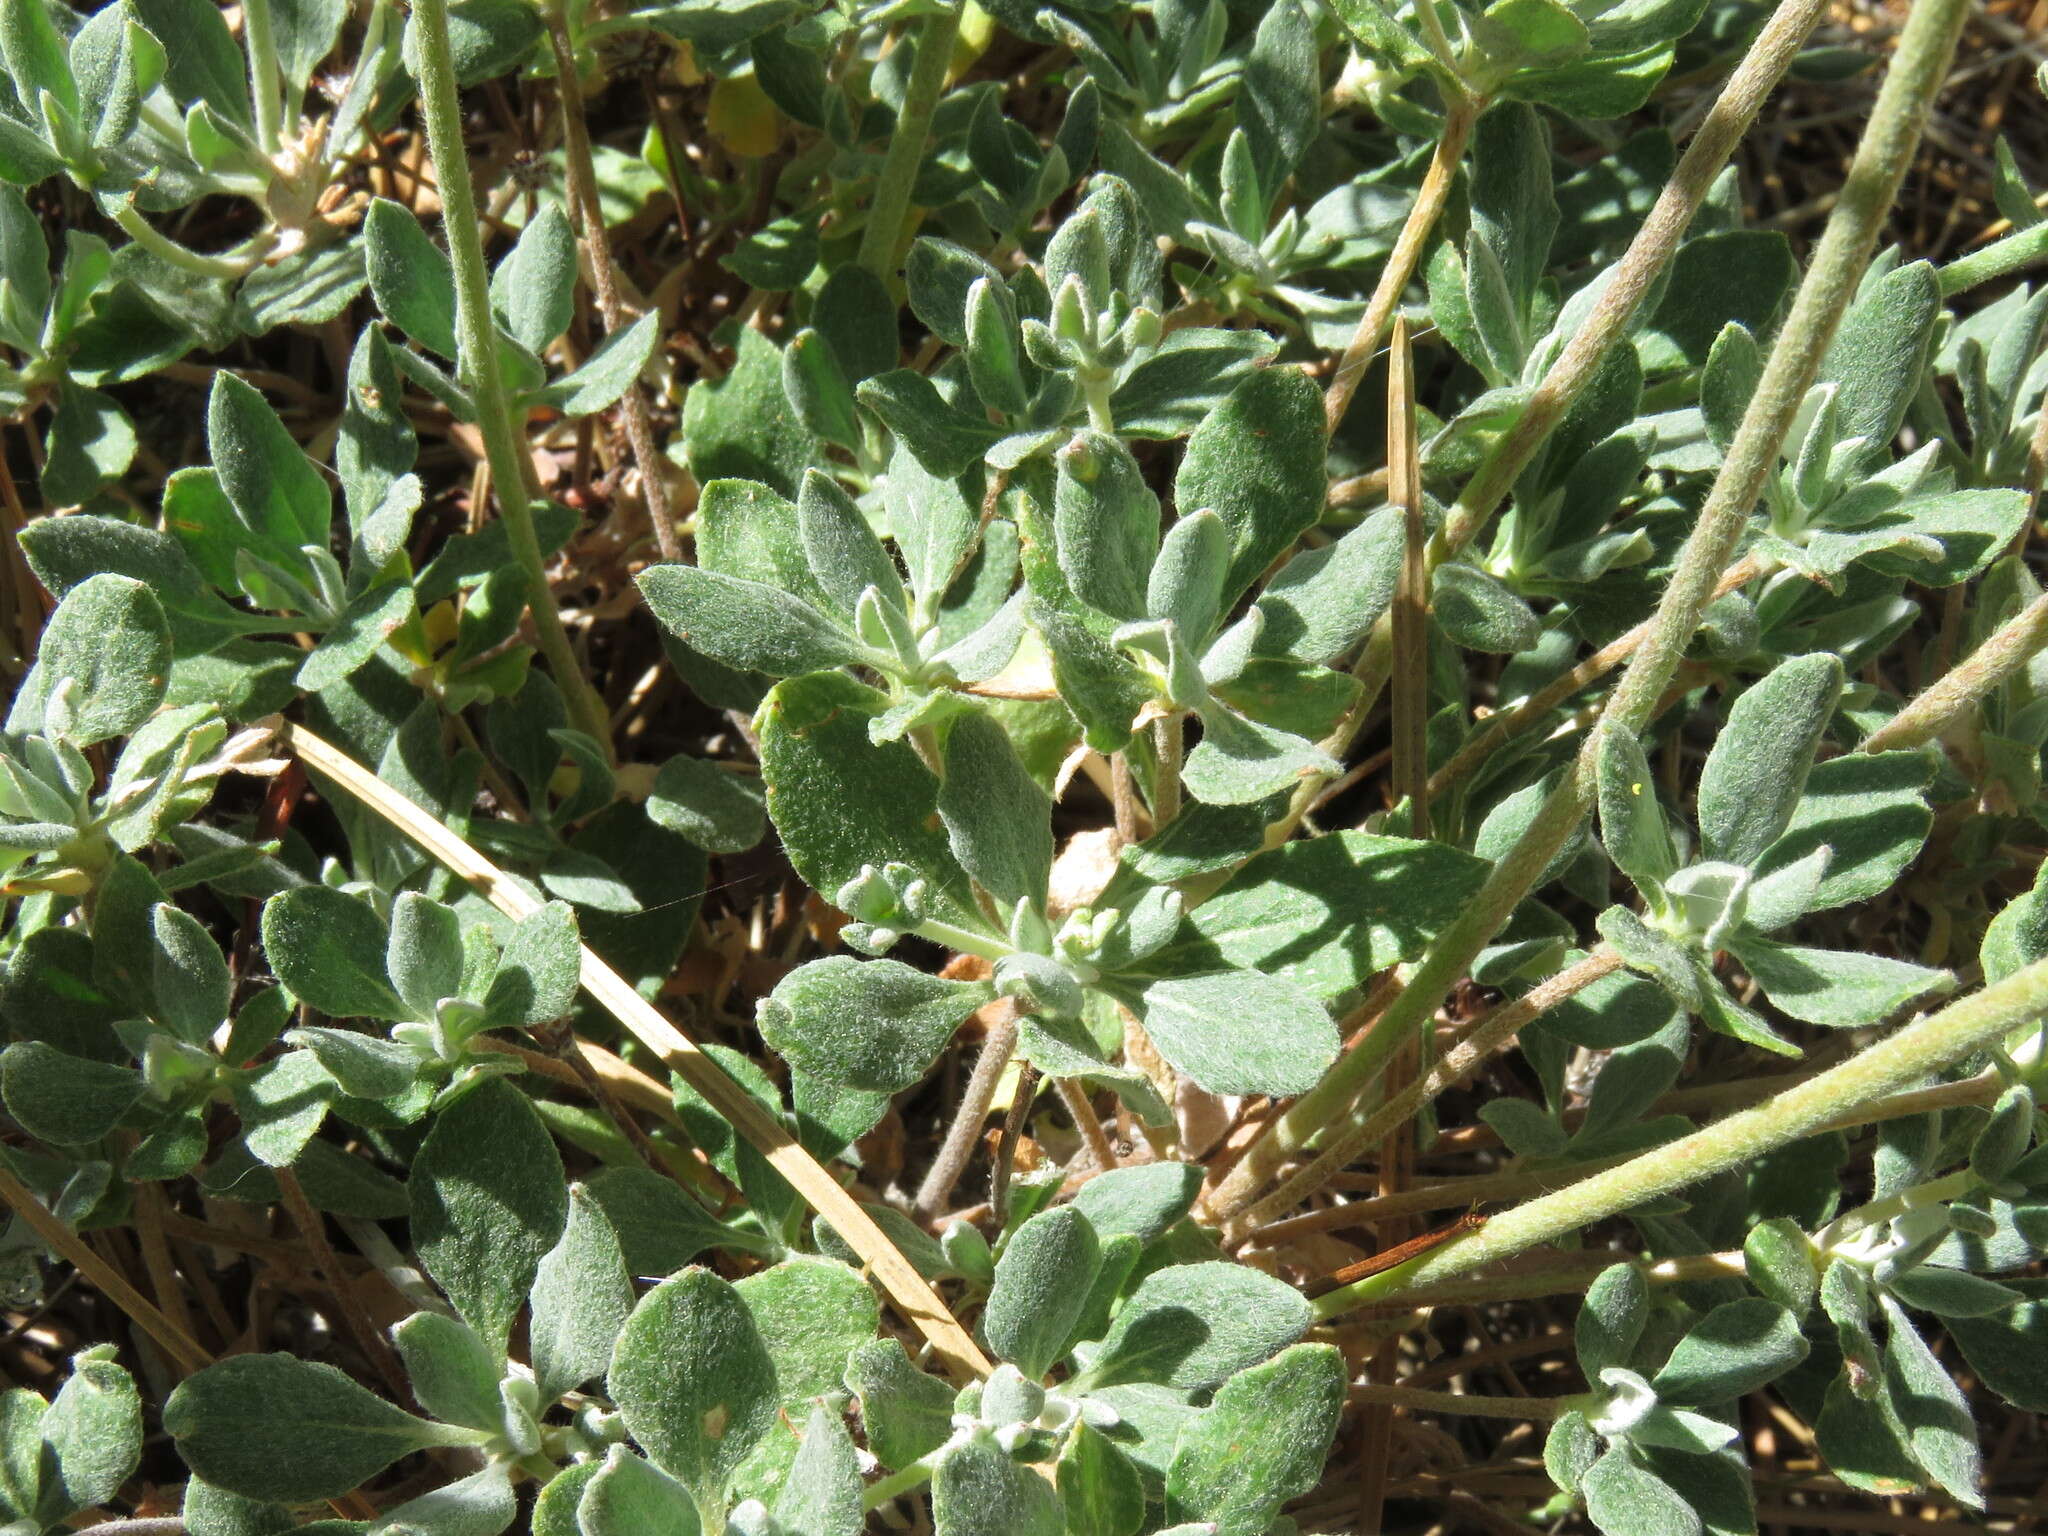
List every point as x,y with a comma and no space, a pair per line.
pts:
2018,250
1493,1033
1839,261
327,1264
1422,1400
2016,642
1006,1145
582,186
1914,1053
885,1490
884,232
1459,117
477,338
1075,1096
266,80
157,243
965,1131
1636,274
1553,693
1169,743
1639,269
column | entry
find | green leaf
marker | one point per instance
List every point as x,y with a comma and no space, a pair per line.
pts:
61,1099
1196,1325
905,1413
1143,1199
1235,1031
1754,777
35,54
822,1494
94,1429
189,976
91,444
424,956
842,803
540,970
1106,523
1279,101
66,552
1842,989
1624,1498
410,277
694,1381
1327,914
488,1202
1320,604
608,372
627,1495
1950,1293
2009,1352
452,1372
1612,1319
273,487
360,632
1259,1443
1101,1493
977,1490
742,426
659,1227
1879,354
745,623
1042,1284
1778,1257
533,290
1935,1414
277,1428
857,317
946,440
1184,378
1514,210
720,812
1735,277
998,821
328,947
843,553
206,65
481,1504
582,1295
102,666
1632,825
1729,1353
811,1314
1480,613
873,1024
1869,812
1257,462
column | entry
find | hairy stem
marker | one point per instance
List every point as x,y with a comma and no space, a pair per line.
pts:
266,81
1635,276
477,339
2017,251
2015,643
1839,261
1914,1053
583,200
1495,1032
884,232
958,1147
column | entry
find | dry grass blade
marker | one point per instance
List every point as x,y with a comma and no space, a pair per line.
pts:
919,1302
184,1351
